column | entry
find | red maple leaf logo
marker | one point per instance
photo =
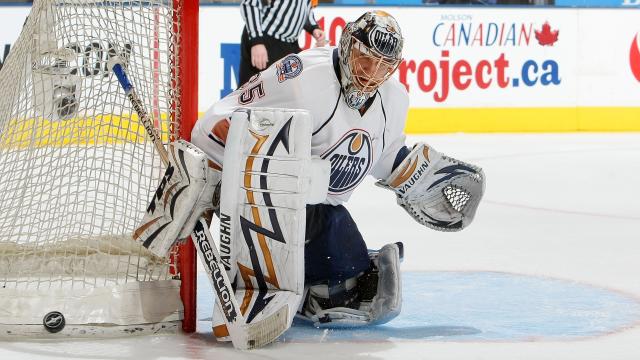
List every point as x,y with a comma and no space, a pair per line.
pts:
546,36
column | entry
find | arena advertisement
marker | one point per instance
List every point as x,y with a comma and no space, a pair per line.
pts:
472,69
485,69
466,58
608,61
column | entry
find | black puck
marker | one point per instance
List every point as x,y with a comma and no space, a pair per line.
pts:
53,322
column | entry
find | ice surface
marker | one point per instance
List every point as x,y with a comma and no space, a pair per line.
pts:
548,270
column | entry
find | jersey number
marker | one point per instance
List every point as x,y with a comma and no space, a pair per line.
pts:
251,93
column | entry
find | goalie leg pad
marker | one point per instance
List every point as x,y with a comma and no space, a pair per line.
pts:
269,176
372,298
186,191
438,191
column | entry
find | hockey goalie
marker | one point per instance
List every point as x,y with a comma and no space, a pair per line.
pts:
279,179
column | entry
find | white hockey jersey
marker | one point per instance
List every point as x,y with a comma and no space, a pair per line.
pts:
356,144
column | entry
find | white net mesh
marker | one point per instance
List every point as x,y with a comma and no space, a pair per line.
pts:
76,170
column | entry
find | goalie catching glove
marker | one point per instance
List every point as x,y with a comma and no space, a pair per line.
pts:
186,191
439,192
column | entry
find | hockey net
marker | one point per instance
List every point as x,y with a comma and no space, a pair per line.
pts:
77,171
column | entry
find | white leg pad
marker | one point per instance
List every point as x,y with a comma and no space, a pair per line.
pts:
268,178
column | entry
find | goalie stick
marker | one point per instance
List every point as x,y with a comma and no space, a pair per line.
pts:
244,336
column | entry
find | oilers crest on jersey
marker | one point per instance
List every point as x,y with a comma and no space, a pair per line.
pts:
350,158
288,68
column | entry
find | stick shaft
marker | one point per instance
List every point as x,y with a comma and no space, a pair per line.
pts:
138,106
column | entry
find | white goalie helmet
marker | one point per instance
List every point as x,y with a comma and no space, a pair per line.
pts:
370,52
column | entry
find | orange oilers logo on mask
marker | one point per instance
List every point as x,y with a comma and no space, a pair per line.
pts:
350,161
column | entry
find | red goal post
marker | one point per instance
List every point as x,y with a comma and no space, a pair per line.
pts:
189,102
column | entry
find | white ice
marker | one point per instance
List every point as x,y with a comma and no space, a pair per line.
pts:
564,206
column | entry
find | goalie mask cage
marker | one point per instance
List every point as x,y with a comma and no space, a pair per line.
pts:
77,171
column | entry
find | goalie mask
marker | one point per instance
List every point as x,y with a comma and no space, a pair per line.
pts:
370,52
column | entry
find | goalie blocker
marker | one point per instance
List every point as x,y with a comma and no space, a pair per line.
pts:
185,192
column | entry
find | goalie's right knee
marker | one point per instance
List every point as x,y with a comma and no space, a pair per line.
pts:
211,137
